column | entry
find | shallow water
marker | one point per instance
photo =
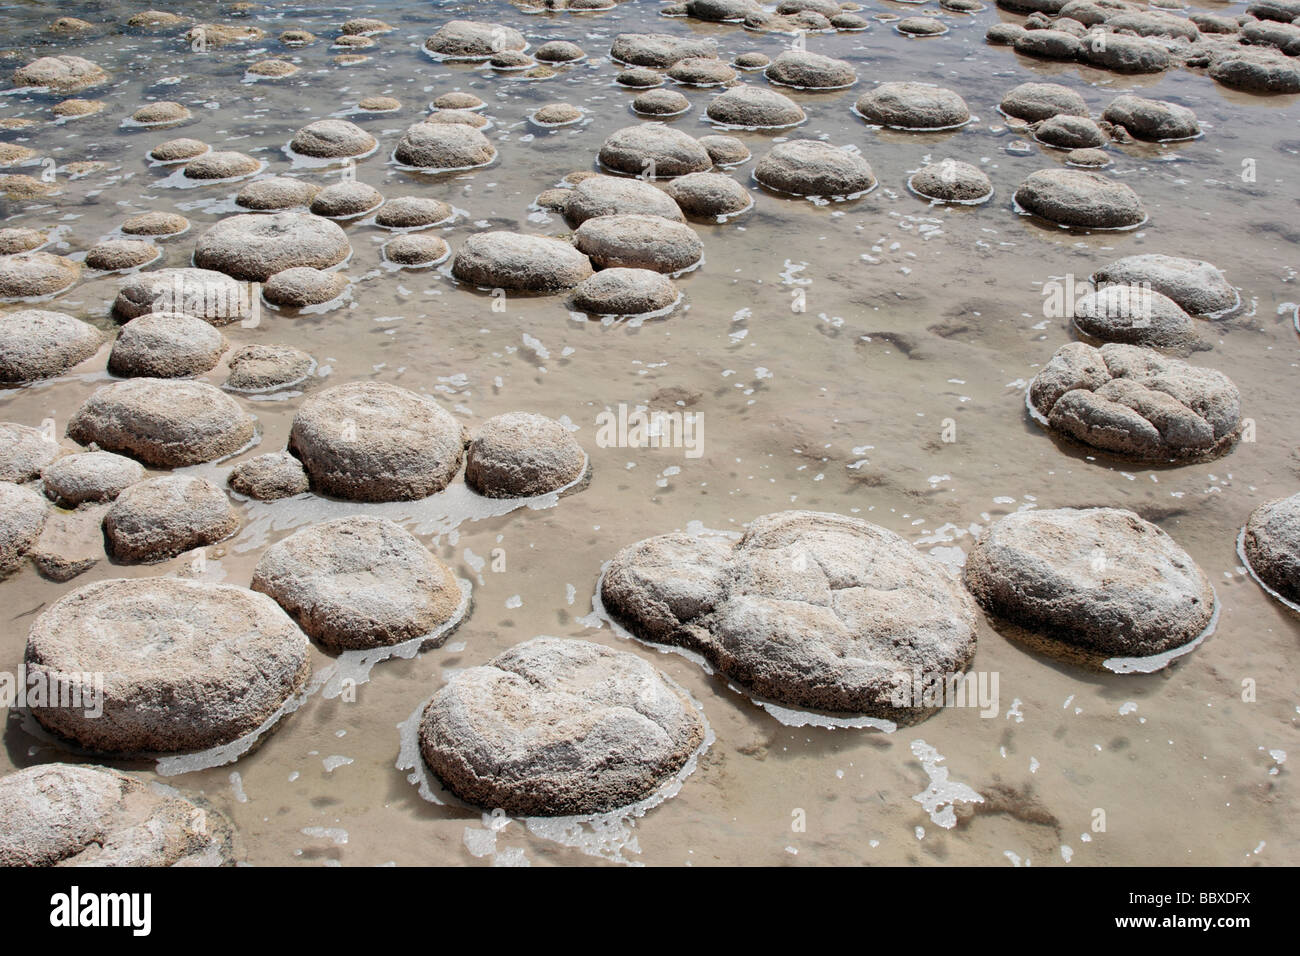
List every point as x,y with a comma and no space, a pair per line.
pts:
913,316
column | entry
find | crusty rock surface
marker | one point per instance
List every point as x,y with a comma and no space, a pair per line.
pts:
332,139
22,516
808,610
115,255
89,476
165,423
372,441
754,107
514,261
654,150
412,212
346,200
1135,403
1271,545
951,180
615,195
1098,580
443,147
186,665
1151,119
222,165
807,167
416,250
521,454
166,345
709,195
36,344
63,74
156,223
1195,285
659,50
26,275
24,451
276,193
302,286
1076,197
1033,102
358,583
639,242
159,518
1069,132
264,368
1136,315
61,814
212,296
558,727
473,40
620,291
256,247
913,106
269,477
810,71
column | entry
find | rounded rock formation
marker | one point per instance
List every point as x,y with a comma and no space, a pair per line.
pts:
709,195
159,518
371,441
265,368
913,106
1195,285
950,180
1135,403
166,345
254,248
304,286
62,814
808,610
31,275
1100,582
1072,197
517,262
810,71
1135,315
1033,102
186,665
473,40
35,344
165,423
520,455
22,517
806,167
614,195
639,242
359,583
752,107
654,150
1270,543
332,139
276,193
443,147
93,476
625,292
558,727
269,477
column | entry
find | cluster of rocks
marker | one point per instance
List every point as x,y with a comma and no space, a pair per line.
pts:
1254,51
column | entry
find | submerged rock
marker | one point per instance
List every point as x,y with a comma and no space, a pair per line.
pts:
556,727
166,345
1034,102
639,242
264,368
810,71
269,477
619,291
753,107
332,139
443,147
659,50
517,262
913,106
473,40
303,286
614,195
1151,119
31,275
654,150
951,181
91,476
1100,581
709,195
186,665
1198,287
808,610
256,247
